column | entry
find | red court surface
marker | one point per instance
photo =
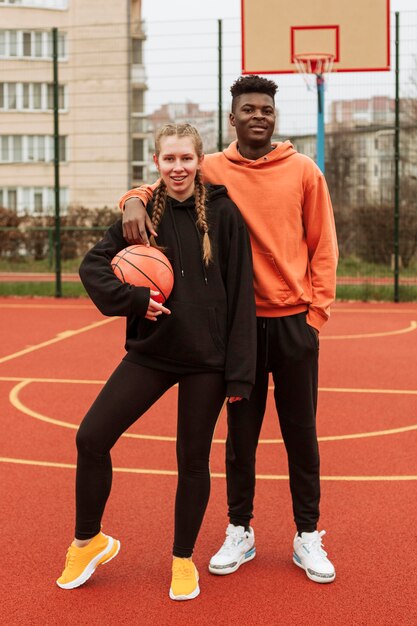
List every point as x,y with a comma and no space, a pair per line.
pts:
54,357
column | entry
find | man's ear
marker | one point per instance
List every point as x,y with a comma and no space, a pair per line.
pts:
232,119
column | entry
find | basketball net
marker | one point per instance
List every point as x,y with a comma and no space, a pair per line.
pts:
312,66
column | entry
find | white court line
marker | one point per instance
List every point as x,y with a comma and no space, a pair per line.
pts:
136,470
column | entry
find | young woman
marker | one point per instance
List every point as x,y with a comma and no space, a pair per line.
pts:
204,339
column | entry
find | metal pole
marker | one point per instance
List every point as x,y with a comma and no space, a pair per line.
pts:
320,121
58,284
220,108
397,163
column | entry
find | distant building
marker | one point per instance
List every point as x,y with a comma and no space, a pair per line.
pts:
206,122
359,149
360,162
102,82
374,111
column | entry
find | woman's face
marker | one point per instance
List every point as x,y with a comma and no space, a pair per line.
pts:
177,163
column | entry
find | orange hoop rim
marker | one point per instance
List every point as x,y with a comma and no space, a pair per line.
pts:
314,62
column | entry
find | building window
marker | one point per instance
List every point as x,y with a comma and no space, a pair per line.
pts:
38,201
138,150
137,172
37,95
61,97
30,96
137,58
27,44
12,199
137,101
31,44
31,200
139,125
12,44
31,149
40,4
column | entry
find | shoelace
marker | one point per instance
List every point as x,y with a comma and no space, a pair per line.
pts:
317,546
232,540
183,571
69,561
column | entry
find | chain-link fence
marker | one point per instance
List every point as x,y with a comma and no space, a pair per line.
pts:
119,79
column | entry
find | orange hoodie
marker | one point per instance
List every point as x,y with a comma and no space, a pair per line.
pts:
285,203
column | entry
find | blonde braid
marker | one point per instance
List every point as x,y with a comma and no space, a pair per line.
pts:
158,209
200,193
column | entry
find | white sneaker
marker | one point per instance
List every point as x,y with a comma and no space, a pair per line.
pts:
238,548
310,556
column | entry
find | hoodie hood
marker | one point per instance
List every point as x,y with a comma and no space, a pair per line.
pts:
282,150
214,192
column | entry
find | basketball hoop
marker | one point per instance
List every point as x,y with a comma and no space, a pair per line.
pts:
312,66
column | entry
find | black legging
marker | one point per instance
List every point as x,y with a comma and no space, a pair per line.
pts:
130,391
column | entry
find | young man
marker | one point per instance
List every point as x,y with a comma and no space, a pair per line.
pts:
285,203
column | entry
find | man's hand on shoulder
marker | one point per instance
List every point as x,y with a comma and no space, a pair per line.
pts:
136,222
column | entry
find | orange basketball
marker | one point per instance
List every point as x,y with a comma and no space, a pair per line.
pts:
145,267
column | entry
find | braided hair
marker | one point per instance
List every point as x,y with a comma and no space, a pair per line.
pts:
200,191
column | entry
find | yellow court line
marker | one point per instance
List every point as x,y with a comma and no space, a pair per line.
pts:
155,472
70,381
60,337
337,309
402,331
16,402
91,307
365,390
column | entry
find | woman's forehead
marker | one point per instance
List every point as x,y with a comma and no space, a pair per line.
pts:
177,144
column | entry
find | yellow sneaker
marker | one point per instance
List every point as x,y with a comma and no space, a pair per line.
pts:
184,584
82,562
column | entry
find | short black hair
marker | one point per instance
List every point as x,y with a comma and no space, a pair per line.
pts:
253,84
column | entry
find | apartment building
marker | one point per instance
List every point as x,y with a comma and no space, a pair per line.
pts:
360,151
102,84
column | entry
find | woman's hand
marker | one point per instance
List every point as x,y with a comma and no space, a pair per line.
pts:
155,309
136,222
234,399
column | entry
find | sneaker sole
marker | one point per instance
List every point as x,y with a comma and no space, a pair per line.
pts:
190,596
223,570
110,552
317,578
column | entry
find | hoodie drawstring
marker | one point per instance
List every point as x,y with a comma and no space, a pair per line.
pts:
190,215
171,212
174,225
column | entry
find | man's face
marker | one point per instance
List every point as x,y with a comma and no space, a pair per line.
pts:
253,117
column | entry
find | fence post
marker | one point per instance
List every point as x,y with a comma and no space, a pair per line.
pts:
220,77
58,284
397,162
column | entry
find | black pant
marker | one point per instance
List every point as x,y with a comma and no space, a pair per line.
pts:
288,348
129,392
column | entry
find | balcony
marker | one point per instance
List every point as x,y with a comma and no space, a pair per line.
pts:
138,75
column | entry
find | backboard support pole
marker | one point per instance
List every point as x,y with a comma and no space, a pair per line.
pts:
320,123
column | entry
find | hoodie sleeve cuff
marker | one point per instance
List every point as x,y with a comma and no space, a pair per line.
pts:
140,300
315,319
238,389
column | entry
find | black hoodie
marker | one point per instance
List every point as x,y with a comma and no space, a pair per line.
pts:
212,326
